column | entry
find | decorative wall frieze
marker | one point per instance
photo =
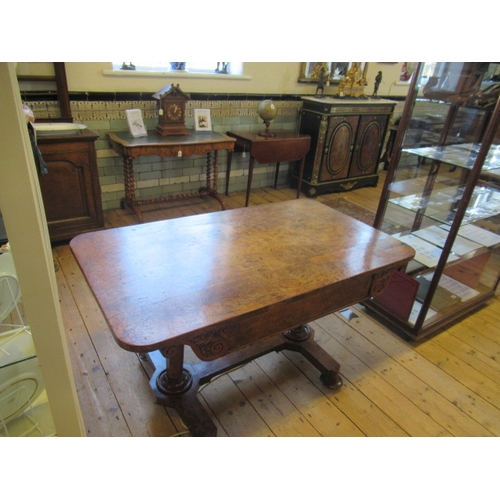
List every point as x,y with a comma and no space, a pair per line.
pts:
115,110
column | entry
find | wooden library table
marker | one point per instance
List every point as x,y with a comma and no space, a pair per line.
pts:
285,146
198,143
233,285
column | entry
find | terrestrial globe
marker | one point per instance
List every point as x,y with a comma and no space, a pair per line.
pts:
267,111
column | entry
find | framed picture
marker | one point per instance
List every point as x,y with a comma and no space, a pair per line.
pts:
310,71
202,122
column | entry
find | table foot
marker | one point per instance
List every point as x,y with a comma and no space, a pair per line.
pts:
219,199
134,207
137,211
203,191
301,340
332,380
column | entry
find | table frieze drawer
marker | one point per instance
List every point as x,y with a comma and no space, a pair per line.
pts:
316,304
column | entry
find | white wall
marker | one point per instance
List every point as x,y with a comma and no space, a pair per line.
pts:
261,78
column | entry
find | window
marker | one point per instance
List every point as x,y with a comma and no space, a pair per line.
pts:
231,68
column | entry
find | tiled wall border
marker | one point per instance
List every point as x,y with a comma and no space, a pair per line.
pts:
115,110
112,105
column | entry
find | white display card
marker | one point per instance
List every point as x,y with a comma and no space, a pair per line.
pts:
135,123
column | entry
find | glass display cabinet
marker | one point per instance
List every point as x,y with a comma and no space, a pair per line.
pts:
442,197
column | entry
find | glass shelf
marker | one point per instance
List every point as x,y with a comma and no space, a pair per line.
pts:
442,206
461,155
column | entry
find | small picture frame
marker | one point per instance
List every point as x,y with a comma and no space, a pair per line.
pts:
135,123
202,121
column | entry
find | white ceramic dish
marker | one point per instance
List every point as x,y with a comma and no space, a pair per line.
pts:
17,393
58,128
20,377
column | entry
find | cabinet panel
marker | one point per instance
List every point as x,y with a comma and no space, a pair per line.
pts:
370,137
70,190
347,137
338,152
66,176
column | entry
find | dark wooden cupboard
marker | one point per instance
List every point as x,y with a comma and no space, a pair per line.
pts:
347,138
70,190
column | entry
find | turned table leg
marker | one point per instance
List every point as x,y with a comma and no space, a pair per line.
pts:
175,379
177,388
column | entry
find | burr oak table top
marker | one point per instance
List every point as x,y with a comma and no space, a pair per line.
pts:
221,281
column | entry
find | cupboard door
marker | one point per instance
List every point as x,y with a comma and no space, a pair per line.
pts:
70,190
368,145
67,188
339,146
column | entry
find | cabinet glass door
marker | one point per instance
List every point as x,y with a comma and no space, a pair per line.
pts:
442,197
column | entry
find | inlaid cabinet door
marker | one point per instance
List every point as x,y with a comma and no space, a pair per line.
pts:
369,138
339,144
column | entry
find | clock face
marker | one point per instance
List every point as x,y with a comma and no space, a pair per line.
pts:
174,112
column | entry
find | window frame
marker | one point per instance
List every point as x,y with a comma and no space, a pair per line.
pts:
155,70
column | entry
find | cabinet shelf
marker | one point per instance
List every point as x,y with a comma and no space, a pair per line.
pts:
442,206
458,155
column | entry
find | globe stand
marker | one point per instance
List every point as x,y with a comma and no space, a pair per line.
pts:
267,132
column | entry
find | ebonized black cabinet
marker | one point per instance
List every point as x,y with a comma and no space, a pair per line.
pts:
347,137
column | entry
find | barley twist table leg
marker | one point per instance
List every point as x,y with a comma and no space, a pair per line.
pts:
216,171
129,181
209,172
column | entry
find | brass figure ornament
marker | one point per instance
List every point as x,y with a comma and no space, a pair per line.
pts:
353,84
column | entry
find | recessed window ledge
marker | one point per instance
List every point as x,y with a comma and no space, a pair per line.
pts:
176,74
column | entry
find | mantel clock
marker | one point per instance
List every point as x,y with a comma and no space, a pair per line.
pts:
172,111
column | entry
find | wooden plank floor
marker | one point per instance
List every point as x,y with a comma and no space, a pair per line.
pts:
448,385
